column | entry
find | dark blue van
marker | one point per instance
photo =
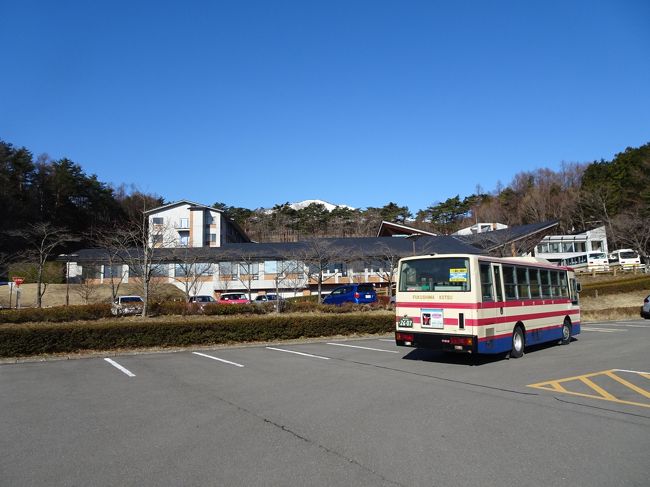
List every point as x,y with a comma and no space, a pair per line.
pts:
352,293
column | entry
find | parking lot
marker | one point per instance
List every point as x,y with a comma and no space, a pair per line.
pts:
334,412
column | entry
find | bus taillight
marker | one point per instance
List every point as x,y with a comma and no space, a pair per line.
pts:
460,341
404,337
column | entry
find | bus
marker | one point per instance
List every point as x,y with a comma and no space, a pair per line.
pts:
626,258
591,261
484,305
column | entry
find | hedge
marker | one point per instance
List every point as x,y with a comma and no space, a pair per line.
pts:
47,338
56,314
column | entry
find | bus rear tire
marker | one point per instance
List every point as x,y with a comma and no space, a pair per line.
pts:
518,342
566,333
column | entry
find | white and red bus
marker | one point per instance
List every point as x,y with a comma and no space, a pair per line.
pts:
480,304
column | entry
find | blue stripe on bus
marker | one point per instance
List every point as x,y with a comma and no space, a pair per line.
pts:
503,343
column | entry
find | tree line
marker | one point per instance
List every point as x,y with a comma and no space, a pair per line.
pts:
616,193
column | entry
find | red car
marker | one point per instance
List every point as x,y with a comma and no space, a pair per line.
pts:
233,298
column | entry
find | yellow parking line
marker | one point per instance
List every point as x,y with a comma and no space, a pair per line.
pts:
598,389
577,377
602,394
634,387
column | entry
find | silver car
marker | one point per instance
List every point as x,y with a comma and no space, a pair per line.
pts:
127,305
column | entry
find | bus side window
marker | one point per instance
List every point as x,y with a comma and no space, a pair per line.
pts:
574,289
510,282
497,281
486,283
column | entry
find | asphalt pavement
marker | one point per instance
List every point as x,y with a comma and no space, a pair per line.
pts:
334,413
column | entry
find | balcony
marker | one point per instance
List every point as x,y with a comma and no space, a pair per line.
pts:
182,225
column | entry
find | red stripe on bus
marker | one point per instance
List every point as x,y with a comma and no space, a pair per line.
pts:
489,305
497,320
522,317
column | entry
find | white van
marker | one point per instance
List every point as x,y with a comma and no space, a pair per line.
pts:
626,258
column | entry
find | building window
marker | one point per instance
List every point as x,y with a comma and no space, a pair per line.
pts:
185,223
157,220
213,237
160,270
249,270
184,240
113,271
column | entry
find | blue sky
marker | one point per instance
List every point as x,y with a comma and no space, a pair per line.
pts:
255,103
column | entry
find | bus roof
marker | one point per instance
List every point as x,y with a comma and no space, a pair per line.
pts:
512,260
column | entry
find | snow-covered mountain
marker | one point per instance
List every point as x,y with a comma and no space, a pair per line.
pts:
304,204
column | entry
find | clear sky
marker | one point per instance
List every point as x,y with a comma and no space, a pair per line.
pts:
254,103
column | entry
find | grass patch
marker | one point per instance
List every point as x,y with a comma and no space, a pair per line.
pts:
611,314
622,285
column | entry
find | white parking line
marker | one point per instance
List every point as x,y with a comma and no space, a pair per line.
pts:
118,366
298,353
602,330
363,348
392,340
218,359
632,371
619,324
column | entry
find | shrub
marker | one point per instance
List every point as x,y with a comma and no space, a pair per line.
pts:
174,308
302,306
220,309
56,314
34,339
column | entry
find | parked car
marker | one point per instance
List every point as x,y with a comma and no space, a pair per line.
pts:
271,298
645,310
202,299
267,298
233,298
352,293
127,305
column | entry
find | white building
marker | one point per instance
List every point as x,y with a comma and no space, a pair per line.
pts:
188,224
480,228
558,247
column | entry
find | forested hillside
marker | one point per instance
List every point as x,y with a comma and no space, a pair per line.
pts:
617,193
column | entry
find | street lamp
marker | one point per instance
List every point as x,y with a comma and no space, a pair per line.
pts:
413,237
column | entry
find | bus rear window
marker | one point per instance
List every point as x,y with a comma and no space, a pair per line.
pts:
443,274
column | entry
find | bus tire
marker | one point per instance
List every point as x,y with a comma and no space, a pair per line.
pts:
518,342
566,333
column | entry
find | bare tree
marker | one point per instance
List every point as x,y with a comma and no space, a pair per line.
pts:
248,270
633,230
42,240
190,270
137,245
112,243
318,255
386,261
289,274
87,290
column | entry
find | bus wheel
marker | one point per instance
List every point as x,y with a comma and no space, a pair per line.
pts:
517,342
566,333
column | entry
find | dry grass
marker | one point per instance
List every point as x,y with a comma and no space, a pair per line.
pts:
55,294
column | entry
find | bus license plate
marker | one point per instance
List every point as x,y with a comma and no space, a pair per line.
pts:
405,322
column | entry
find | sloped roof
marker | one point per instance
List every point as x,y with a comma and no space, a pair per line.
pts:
361,248
389,229
182,202
510,241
